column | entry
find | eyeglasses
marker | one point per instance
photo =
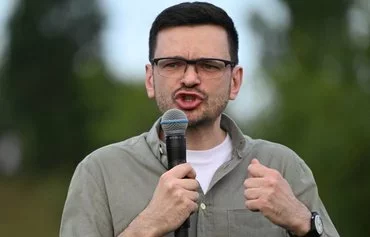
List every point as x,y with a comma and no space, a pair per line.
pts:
174,67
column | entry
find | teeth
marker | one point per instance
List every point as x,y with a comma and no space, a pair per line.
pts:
188,98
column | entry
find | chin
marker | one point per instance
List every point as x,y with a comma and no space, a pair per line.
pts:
200,121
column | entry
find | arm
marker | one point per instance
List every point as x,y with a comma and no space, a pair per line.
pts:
141,226
304,187
86,211
286,201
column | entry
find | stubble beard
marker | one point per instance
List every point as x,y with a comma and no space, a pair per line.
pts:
209,117
209,113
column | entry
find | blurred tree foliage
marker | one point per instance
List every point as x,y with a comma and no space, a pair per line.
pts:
320,69
56,95
55,91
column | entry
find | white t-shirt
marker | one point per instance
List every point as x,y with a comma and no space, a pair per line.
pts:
206,162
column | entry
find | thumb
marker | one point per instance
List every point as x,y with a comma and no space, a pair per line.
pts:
255,161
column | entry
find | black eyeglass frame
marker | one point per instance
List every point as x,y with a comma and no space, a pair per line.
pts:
194,61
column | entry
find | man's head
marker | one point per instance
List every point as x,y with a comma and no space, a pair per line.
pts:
193,59
193,14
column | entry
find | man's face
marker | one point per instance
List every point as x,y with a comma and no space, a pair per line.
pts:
203,99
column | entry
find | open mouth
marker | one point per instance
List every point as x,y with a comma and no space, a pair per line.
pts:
188,100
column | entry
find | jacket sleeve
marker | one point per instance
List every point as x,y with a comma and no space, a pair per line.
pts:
303,184
86,211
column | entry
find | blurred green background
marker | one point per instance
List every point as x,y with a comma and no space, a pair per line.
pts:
58,102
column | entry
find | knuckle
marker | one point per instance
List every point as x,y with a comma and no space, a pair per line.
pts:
194,206
263,209
246,193
250,168
195,184
270,194
163,177
178,194
271,181
170,184
196,196
190,205
188,167
263,203
250,206
275,174
246,183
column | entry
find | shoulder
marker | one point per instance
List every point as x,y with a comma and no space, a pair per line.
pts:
115,153
278,156
269,149
133,144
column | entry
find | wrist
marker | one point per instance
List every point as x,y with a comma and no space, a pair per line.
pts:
301,224
141,226
316,227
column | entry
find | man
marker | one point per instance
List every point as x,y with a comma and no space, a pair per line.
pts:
231,185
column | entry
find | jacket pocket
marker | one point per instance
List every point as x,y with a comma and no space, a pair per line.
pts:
243,222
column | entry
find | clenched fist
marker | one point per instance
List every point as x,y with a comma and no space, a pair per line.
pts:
174,199
268,192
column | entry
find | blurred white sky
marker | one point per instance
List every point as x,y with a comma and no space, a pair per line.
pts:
129,23
125,41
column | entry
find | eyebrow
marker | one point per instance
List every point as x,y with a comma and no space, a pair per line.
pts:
193,59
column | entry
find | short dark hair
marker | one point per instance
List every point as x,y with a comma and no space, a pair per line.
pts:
191,14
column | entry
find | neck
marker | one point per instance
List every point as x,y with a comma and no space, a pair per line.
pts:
206,136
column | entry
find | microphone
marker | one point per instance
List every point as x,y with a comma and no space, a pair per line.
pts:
174,123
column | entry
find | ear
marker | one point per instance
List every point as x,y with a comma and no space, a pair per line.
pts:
236,82
149,81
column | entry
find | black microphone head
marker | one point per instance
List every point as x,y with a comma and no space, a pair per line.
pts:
174,121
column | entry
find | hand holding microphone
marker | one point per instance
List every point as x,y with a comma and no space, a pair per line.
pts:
175,196
174,123
174,199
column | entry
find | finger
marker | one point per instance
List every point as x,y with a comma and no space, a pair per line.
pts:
193,207
252,193
252,205
257,169
255,161
249,175
192,195
254,182
182,171
185,199
189,184
192,174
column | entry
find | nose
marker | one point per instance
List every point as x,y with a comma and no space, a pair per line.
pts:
190,78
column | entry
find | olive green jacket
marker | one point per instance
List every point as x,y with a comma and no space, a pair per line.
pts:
112,185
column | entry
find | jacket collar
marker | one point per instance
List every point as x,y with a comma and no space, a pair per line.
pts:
240,142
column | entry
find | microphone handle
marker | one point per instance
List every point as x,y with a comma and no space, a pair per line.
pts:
176,150
176,154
